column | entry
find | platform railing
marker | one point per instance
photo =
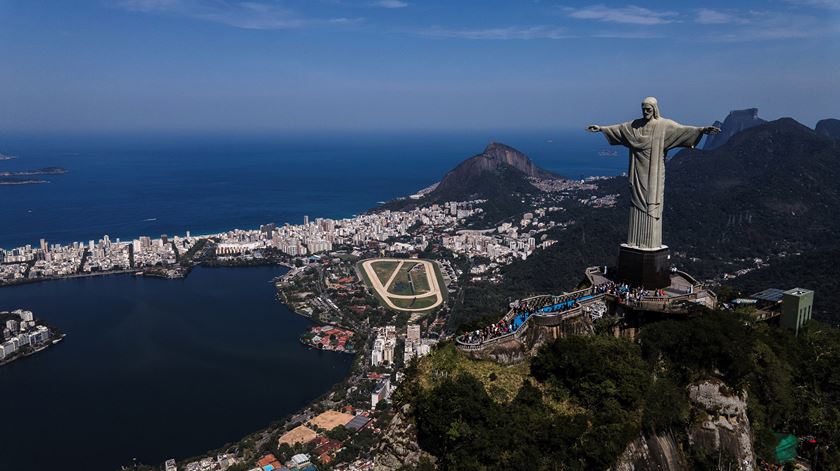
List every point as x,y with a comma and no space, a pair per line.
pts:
518,333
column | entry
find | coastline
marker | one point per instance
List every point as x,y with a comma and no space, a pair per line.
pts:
333,369
40,348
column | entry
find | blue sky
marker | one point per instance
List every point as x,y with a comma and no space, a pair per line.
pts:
408,64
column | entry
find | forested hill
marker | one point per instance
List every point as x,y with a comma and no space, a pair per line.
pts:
773,187
499,175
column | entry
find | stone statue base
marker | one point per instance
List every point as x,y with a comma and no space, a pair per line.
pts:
646,268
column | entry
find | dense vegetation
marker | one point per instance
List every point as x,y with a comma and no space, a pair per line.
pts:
584,398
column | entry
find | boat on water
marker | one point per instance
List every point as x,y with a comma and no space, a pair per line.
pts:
608,153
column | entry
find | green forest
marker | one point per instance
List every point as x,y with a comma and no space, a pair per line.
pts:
581,400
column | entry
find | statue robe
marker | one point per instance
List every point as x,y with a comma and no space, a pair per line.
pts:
649,143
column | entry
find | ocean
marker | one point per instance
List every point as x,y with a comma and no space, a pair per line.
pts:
153,369
152,184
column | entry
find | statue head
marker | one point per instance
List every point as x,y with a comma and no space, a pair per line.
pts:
650,108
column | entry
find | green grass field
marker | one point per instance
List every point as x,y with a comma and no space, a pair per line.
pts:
418,303
421,281
384,270
402,284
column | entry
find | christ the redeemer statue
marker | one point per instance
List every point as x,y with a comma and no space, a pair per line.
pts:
644,259
649,139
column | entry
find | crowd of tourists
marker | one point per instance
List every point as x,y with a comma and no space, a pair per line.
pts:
524,309
628,294
490,332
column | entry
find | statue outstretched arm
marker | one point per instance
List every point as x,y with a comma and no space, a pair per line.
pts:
593,128
711,130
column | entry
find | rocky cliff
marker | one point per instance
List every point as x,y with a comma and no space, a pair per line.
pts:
735,122
723,429
725,425
399,448
829,128
495,159
654,453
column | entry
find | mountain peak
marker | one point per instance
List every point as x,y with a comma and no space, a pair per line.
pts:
498,172
735,122
494,147
829,128
497,159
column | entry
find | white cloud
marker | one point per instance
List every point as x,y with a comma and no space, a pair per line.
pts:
391,4
827,4
762,26
628,15
505,33
706,16
247,15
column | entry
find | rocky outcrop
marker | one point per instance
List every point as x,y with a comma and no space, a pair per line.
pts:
726,425
735,122
399,446
496,159
829,128
659,453
505,351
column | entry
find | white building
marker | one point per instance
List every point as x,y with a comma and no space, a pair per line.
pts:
381,392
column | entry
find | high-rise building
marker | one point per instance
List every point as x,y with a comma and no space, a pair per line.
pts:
388,351
376,354
305,220
381,392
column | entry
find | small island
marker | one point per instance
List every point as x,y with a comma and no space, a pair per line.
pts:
23,177
7,157
37,171
24,335
21,181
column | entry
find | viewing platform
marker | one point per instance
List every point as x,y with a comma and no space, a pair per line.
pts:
575,312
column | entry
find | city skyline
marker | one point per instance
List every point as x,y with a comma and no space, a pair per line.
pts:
402,65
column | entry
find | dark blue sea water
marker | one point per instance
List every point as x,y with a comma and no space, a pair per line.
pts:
155,369
160,368
131,185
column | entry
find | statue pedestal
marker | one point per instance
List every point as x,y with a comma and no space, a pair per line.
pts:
646,268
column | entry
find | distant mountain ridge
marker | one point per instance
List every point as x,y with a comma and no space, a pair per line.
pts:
829,128
735,122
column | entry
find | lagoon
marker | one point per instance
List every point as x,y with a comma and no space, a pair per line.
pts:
154,369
